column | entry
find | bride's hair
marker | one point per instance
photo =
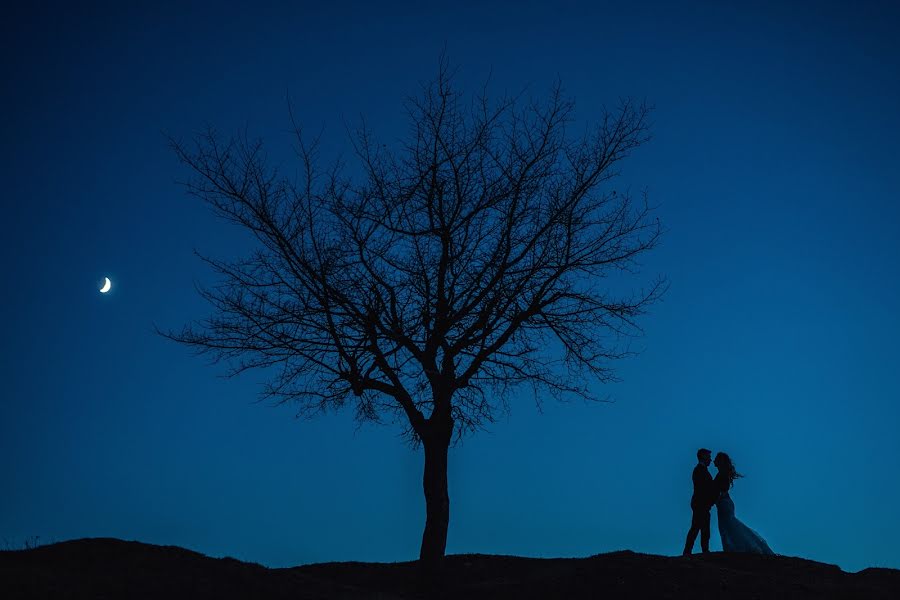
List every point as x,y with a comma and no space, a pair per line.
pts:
724,464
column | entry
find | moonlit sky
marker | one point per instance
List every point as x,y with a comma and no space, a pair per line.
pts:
775,163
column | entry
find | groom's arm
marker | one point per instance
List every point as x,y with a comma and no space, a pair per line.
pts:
712,491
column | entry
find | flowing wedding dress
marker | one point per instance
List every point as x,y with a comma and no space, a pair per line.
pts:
737,537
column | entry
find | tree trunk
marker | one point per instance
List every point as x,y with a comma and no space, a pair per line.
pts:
437,497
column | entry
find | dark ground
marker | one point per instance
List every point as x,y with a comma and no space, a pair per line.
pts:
111,568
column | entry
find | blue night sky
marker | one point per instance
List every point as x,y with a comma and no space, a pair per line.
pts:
775,164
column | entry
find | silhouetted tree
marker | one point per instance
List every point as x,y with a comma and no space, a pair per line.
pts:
469,259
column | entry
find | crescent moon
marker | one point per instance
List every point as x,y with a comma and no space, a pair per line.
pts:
106,285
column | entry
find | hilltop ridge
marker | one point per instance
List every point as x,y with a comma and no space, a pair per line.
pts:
108,567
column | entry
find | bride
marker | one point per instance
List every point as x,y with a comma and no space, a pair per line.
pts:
736,537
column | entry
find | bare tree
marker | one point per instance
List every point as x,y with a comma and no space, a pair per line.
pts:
470,258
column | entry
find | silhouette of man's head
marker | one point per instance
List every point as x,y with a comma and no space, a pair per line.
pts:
704,456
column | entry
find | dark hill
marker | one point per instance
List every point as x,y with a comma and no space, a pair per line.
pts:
110,568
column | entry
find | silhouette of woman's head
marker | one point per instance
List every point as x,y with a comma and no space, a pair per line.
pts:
726,467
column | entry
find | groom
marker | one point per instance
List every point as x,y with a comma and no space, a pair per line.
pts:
701,502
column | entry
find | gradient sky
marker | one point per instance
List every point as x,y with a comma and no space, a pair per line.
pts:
775,163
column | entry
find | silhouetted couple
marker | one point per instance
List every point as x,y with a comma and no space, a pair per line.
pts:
709,492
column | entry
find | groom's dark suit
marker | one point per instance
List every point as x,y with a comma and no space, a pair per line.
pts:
701,502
